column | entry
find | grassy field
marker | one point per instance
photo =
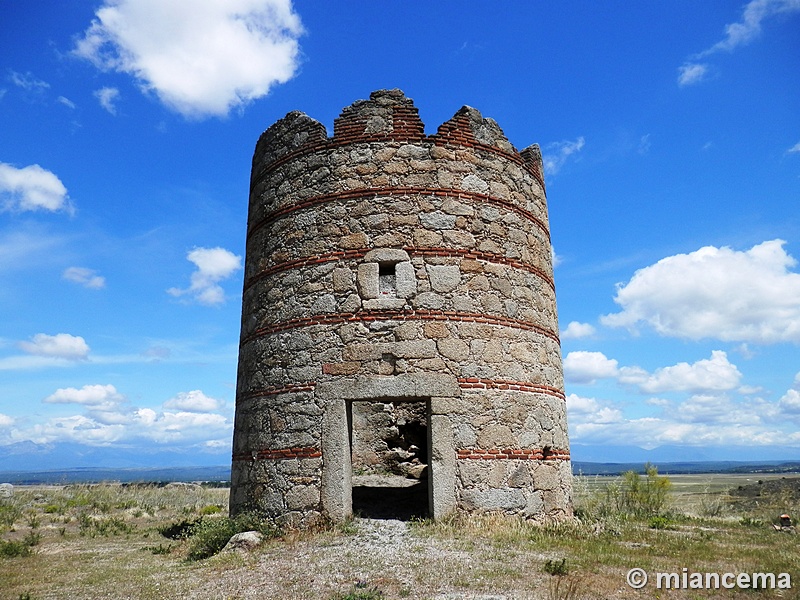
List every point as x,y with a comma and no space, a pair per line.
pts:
108,541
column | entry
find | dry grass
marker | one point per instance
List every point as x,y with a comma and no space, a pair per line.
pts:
103,542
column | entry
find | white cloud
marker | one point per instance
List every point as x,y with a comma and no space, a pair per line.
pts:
719,293
78,428
94,397
737,34
586,367
557,260
794,149
6,421
576,330
557,153
581,410
107,97
108,420
711,374
200,58
644,144
27,81
179,427
88,278
61,345
691,73
194,401
31,188
66,102
749,28
213,265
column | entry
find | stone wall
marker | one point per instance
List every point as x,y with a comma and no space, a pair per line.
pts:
384,259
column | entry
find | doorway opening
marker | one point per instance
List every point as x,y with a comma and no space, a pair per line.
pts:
389,450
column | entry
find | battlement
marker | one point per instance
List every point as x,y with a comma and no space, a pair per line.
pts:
388,116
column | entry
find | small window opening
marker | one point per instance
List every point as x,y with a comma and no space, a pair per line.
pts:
387,279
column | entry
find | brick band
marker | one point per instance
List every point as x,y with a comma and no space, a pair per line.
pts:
286,389
278,454
475,383
412,250
400,191
548,454
398,315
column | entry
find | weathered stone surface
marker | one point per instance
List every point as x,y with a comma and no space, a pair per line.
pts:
245,541
6,490
398,308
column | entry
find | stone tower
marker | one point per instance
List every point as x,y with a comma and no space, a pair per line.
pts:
390,268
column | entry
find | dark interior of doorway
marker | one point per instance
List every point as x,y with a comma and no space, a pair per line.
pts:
385,493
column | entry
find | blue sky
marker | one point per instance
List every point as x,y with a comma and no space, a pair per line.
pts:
671,137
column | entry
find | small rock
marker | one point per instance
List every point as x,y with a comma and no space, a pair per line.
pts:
6,490
245,541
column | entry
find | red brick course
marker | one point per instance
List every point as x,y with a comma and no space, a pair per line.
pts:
399,315
547,454
475,383
278,454
286,389
377,192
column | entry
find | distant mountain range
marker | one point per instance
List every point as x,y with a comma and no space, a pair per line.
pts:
27,462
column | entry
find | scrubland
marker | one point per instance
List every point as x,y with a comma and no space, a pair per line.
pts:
147,541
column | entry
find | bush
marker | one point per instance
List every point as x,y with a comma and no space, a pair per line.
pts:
209,535
556,568
660,522
360,591
179,530
14,549
629,496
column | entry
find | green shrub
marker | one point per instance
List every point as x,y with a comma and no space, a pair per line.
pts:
179,530
211,509
557,568
14,549
630,495
360,591
209,535
660,522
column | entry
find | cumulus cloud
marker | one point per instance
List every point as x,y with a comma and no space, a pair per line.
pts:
710,374
738,34
556,154
691,73
200,59
6,421
88,278
581,410
194,401
94,397
188,420
61,345
107,97
794,149
576,330
702,420
31,188
213,266
718,293
586,367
